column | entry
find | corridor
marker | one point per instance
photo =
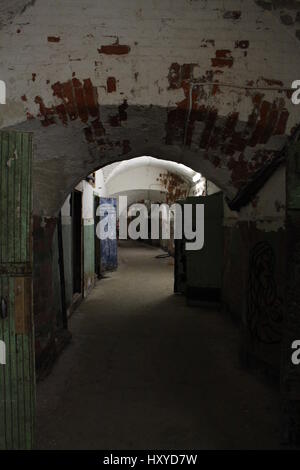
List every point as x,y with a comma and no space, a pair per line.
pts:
143,370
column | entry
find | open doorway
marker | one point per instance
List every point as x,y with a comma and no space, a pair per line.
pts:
96,239
76,211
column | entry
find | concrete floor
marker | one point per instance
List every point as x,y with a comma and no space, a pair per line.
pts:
145,371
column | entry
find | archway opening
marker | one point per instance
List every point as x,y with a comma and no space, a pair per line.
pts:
131,333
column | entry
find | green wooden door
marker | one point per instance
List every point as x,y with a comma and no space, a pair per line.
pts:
204,267
198,273
17,377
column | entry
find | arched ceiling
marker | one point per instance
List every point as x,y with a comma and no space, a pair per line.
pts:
205,84
183,171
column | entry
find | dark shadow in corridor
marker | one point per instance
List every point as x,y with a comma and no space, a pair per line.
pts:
146,371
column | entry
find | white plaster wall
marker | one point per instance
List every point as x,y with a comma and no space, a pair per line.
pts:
158,33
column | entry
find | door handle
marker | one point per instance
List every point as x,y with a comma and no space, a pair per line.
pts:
3,308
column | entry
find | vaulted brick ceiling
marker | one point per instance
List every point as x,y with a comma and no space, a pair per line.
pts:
189,81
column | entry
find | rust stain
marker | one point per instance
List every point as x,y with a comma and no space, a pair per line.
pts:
175,185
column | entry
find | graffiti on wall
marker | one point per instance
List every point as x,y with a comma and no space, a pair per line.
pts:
264,305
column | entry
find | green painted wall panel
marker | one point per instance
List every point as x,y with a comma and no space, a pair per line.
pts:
17,377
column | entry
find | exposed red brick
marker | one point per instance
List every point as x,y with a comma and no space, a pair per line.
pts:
77,100
215,90
91,97
257,135
53,38
62,113
270,125
282,122
69,101
76,83
23,98
257,98
33,77
264,110
64,91
178,74
46,113
80,101
272,82
223,59
111,84
114,49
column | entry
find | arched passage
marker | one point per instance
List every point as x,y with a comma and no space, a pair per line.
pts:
195,83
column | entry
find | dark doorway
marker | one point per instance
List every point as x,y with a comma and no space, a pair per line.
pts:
76,211
97,241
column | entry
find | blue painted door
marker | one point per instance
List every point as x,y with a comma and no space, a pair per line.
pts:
109,245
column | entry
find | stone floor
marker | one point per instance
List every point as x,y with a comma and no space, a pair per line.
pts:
145,371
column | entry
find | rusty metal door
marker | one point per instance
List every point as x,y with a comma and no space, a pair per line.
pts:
17,377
